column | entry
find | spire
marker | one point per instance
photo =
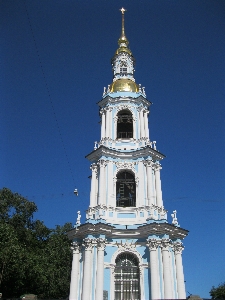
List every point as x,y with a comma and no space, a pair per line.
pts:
123,65
123,41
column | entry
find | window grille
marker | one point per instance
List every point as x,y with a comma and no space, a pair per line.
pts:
123,70
124,125
125,189
127,277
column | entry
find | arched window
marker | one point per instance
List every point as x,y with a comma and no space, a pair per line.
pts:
124,124
127,277
125,189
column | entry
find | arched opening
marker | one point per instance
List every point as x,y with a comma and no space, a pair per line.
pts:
124,125
125,189
127,277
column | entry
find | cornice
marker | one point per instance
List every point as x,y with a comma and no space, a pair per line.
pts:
142,231
137,100
143,152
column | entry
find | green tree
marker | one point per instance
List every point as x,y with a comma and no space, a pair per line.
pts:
33,258
218,292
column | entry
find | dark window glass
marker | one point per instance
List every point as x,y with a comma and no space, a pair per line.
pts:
124,125
125,189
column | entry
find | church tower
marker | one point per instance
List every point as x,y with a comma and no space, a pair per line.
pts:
126,249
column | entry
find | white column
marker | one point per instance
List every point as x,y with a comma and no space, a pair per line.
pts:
134,129
138,126
110,122
87,270
178,247
96,188
101,182
111,197
154,269
93,185
142,124
115,128
103,124
146,124
141,192
100,270
75,271
158,186
149,164
107,122
168,293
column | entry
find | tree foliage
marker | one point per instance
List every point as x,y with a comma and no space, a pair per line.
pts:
218,292
33,258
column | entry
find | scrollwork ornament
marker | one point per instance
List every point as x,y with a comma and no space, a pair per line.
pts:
157,167
178,247
101,243
94,168
165,244
102,163
152,244
102,111
122,107
149,163
125,165
88,244
126,246
75,247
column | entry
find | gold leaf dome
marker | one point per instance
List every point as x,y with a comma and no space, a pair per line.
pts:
123,85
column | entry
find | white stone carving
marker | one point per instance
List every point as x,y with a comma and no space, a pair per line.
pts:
174,216
126,246
78,218
123,165
76,247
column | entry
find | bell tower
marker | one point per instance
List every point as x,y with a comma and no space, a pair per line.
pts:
126,249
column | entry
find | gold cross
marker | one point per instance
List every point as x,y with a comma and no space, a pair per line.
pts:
123,10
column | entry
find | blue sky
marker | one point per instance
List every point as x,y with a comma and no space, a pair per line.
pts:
55,61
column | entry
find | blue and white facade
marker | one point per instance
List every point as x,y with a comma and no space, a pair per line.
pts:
126,249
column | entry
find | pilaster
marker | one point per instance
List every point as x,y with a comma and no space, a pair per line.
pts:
93,185
76,247
154,268
101,194
157,168
86,287
101,243
178,248
165,245
102,112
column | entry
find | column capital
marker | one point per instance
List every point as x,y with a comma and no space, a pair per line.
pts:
102,163
88,244
157,166
149,163
76,247
101,243
102,111
165,244
94,167
152,244
108,108
178,247
140,108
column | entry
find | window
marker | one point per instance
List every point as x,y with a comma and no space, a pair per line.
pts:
123,70
127,277
124,125
125,189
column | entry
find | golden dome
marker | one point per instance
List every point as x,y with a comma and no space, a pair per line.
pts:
123,85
